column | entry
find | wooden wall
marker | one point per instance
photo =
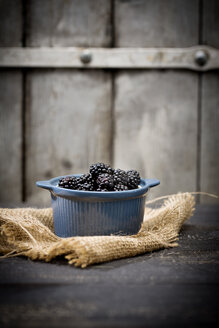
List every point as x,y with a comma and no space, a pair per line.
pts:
58,121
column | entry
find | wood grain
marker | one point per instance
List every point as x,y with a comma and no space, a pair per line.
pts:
153,290
69,23
209,108
68,124
10,135
10,23
156,112
211,23
68,116
210,136
169,23
156,127
10,105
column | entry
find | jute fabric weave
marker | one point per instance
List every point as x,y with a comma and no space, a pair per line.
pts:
29,232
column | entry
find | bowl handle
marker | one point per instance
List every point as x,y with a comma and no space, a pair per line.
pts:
44,184
151,182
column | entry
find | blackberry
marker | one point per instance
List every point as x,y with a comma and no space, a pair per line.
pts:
85,182
133,179
99,168
120,177
85,186
68,183
86,178
102,178
105,181
99,189
120,187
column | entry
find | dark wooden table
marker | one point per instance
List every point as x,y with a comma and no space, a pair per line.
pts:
169,288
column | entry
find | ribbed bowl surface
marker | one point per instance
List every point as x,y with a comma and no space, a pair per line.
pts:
87,218
89,213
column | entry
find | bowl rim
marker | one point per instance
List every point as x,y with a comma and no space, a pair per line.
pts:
52,186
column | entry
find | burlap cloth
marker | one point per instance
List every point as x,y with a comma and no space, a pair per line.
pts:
29,232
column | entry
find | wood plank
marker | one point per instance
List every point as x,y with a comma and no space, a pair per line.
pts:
210,136
183,58
199,234
210,104
156,112
157,288
170,23
10,135
10,23
211,23
69,23
156,127
110,305
10,105
68,125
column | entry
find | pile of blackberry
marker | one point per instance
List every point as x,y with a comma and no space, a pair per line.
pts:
102,177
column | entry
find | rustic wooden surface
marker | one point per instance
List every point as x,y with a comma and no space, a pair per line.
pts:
10,23
210,135
153,129
210,23
69,112
69,23
11,105
209,103
189,157
156,111
68,124
10,135
155,23
169,288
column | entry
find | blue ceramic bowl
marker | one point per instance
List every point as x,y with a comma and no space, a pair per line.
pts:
89,213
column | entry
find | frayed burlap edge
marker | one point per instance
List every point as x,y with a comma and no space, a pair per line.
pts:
29,232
